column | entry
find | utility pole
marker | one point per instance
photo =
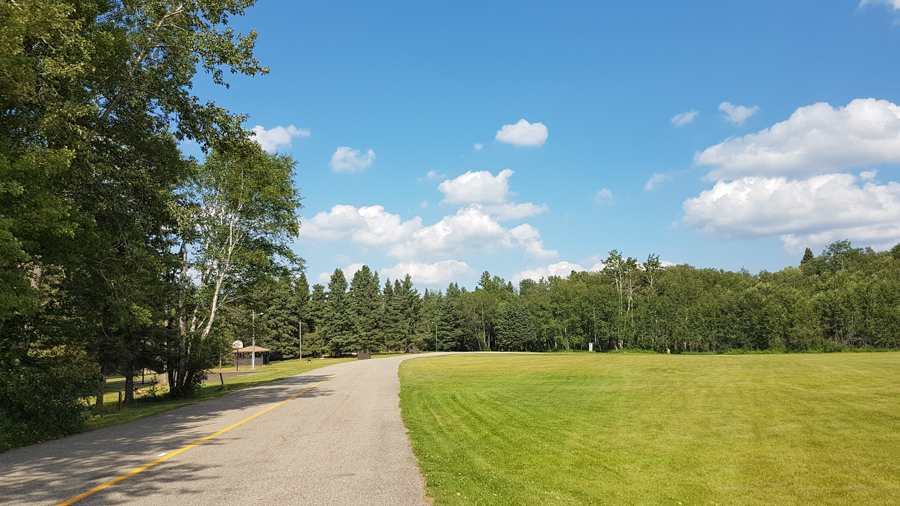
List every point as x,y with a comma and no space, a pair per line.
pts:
300,333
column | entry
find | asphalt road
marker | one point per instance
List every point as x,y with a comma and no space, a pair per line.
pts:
340,442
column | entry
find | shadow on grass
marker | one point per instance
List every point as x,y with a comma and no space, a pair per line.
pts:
146,405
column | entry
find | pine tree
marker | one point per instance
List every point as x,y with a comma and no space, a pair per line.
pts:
365,299
808,264
391,335
449,336
314,341
339,326
514,328
410,312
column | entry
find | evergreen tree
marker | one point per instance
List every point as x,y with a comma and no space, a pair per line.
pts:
301,298
449,334
365,297
515,328
808,264
391,319
283,320
429,319
314,343
317,304
409,308
339,326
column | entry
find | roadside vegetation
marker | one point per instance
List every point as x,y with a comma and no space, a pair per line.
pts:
152,398
578,428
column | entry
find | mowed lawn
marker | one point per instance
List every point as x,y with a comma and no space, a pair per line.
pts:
656,429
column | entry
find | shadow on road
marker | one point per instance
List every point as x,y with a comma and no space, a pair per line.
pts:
54,471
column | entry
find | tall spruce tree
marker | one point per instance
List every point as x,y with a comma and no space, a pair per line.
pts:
449,334
365,297
339,326
409,308
514,328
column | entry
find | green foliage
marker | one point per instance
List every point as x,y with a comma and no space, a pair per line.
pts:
846,298
42,395
339,325
236,234
365,299
515,329
94,189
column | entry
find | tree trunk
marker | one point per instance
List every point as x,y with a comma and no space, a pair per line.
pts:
102,391
129,387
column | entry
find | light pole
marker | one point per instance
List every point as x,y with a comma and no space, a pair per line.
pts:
253,356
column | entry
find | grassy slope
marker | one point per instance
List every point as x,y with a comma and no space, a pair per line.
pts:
656,429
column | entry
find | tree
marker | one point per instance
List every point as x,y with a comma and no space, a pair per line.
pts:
449,334
314,343
409,309
808,264
624,272
515,328
391,335
242,218
339,325
94,95
284,316
651,269
365,299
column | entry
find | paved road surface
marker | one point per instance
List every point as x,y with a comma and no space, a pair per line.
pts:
341,442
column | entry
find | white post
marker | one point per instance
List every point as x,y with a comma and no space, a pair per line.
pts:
253,355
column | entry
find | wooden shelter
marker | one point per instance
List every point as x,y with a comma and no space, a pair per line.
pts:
244,356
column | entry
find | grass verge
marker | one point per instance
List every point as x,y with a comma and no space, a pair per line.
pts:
148,405
656,429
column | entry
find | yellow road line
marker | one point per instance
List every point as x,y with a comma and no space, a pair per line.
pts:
188,447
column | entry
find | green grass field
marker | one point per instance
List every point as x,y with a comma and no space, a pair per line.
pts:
656,429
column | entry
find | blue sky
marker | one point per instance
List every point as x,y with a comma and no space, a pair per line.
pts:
530,138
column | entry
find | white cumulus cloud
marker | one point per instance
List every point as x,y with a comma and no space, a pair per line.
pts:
346,159
477,188
467,231
438,273
684,118
803,213
270,140
737,114
471,230
523,133
816,139
528,237
561,269
367,226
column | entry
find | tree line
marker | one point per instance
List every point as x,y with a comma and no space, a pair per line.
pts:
844,298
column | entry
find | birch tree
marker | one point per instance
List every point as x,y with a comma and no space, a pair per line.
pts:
237,229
